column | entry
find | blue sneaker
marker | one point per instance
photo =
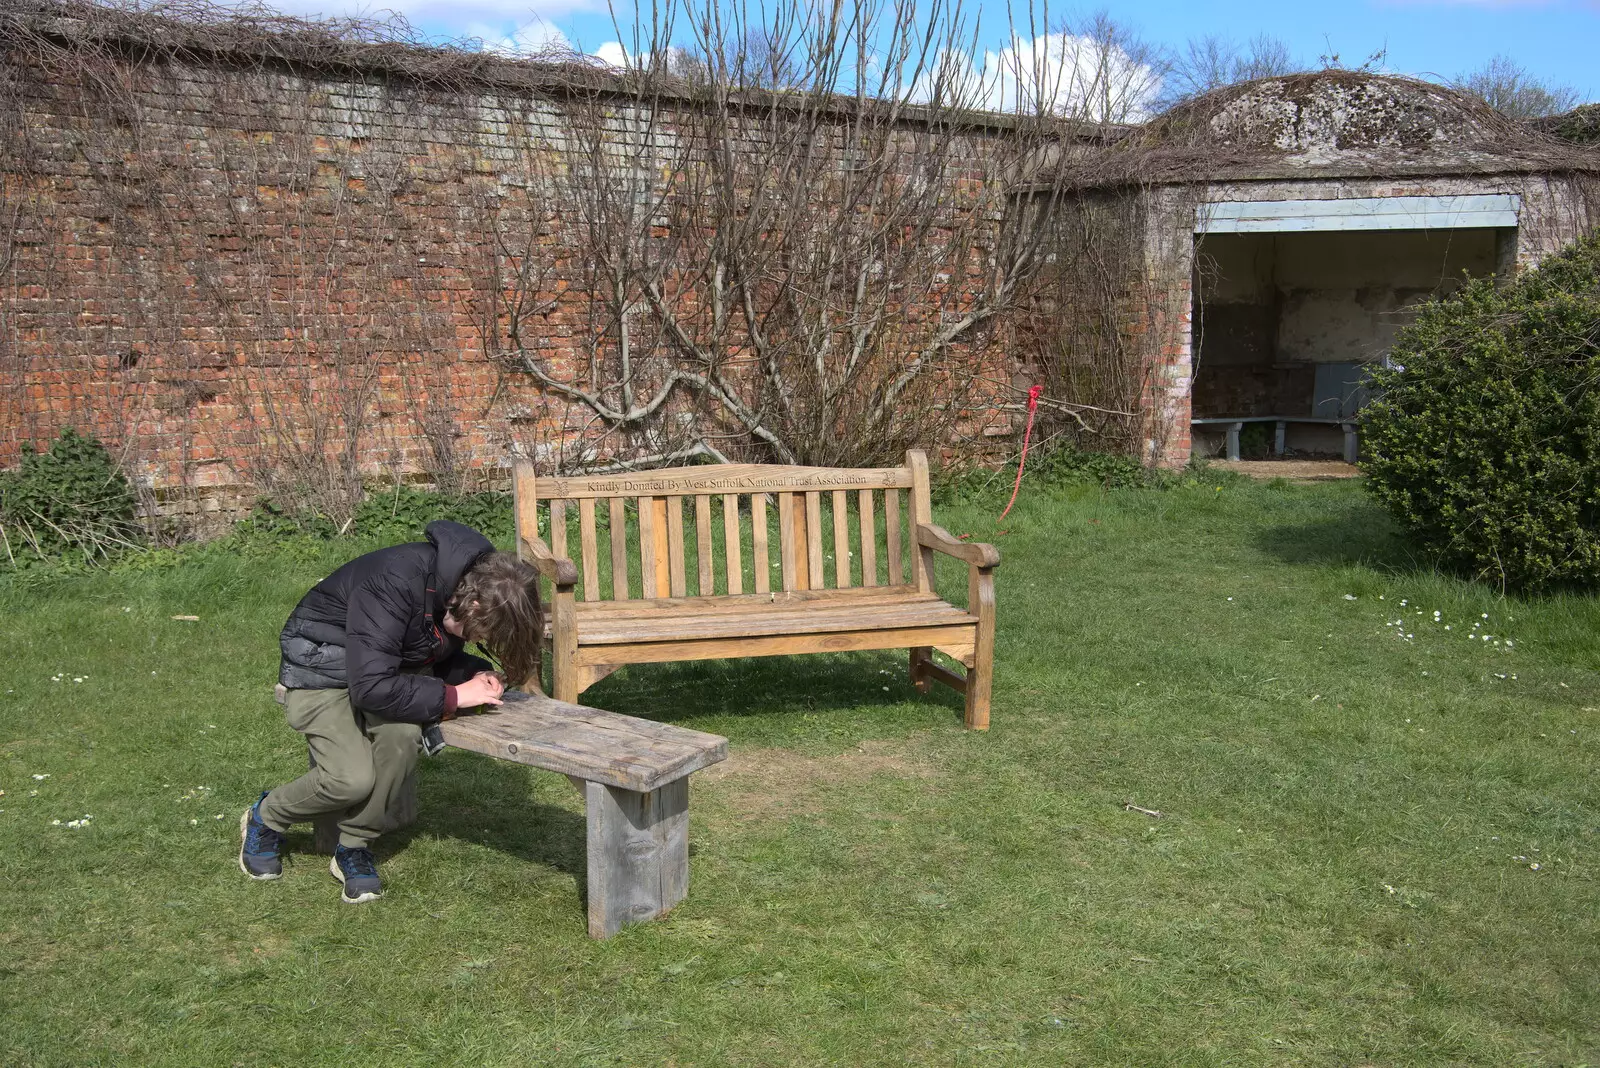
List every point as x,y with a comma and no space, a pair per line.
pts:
261,847
358,871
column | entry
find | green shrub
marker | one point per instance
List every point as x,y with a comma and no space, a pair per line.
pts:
70,504
1068,466
1255,441
1485,440
400,513
1581,125
388,514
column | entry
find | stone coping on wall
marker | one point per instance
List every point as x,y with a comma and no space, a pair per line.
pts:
317,49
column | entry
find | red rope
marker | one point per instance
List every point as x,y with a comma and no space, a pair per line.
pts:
1033,406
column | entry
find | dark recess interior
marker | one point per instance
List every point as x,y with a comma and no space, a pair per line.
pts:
1285,323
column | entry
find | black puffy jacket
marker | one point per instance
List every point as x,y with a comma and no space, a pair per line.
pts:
376,625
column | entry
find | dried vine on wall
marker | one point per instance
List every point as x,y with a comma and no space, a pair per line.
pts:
266,314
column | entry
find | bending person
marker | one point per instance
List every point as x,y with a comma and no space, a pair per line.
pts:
372,656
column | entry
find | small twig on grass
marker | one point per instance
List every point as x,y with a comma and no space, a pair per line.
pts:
1129,806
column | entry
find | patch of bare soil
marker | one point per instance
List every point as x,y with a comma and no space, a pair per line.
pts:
1293,470
765,782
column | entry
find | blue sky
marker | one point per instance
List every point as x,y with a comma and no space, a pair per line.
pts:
1556,40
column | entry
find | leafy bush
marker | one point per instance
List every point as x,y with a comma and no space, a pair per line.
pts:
1067,466
1581,125
390,514
1255,441
1485,440
400,513
71,504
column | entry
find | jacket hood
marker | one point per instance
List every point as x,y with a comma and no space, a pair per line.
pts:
458,547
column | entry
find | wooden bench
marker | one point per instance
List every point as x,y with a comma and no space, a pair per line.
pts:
633,775
629,602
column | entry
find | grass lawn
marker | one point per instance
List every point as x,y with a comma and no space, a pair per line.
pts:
1378,843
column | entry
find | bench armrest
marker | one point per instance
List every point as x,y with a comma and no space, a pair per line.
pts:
978,554
557,569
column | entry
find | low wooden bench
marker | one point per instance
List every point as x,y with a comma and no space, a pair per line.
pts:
643,610
634,777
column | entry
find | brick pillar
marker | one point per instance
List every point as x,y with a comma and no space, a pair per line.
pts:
1166,404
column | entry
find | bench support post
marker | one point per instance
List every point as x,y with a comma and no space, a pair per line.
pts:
638,853
1233,440
325,835
921,659
1349,442
980,673
565,685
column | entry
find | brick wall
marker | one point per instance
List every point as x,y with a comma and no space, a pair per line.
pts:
241,277
244,276
220,272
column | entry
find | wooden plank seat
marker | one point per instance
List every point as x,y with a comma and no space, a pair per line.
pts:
669,620
755,571
634,777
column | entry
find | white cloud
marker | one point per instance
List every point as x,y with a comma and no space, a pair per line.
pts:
534,39
616,54
456,15
612,54
1058,72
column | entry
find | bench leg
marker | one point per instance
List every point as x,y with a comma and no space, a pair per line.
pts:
1349,442
1278,438
566,682
325,834
980,674
638,853
1233,440
570,683
921,655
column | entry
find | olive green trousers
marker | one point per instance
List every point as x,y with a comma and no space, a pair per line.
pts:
360,763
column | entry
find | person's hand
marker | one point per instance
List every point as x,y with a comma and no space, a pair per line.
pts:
484,688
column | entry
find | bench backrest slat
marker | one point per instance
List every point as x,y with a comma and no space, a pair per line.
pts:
841,541
647,554
891,524
813,540
591,550
661,548
761,564
869,538
619,550
730,542
787,556
702,540
679,584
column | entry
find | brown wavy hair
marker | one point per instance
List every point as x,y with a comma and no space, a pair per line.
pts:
497,604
